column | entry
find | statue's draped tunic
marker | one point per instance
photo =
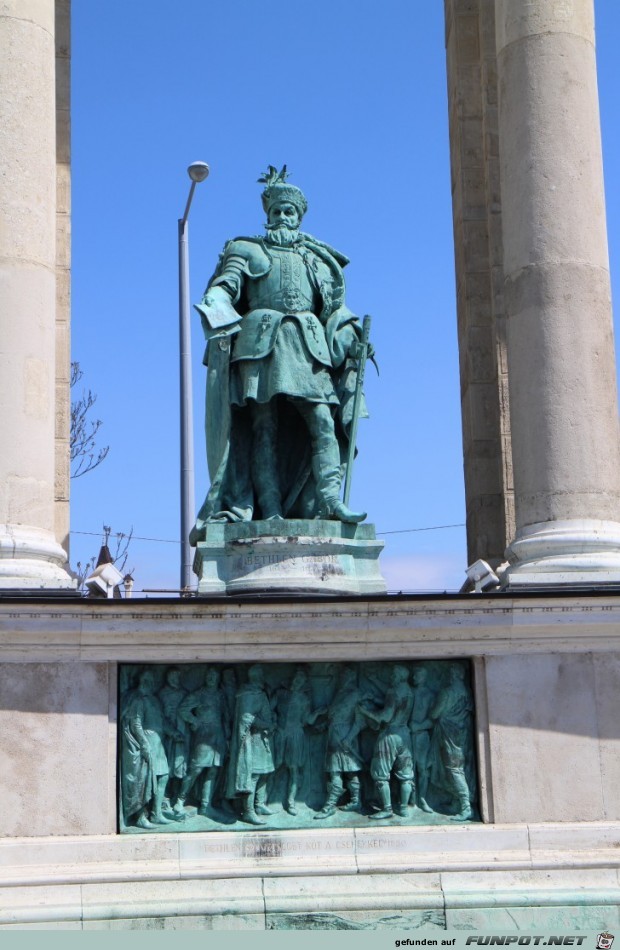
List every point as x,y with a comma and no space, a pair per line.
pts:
206,708
250,746
393,747
423,699
139,775
343,725
291,739
176,748
451,739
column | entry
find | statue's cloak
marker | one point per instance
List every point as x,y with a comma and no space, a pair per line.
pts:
139,780
228,427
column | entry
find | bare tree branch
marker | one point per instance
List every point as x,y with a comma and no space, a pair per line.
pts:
85,456
121,553
82,571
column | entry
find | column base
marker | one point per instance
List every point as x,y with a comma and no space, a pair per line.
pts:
564,553
289,556
32,559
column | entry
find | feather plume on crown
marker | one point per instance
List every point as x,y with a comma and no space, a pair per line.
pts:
272,176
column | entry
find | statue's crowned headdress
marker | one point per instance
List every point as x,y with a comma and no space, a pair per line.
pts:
277,189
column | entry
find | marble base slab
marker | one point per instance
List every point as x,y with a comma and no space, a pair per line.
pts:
464,878
289,556
567,847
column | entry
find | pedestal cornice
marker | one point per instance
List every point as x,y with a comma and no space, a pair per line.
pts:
382,628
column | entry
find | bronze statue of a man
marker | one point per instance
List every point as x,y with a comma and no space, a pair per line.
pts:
282,351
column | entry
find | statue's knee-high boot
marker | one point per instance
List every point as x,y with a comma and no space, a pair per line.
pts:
291,807
462,791
248,813
354,787
186,784
207,791
160,789
385,799
261,797
405,795
328,477
423,791
326,467
334,791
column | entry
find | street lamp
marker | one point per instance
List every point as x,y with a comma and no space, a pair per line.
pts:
197,171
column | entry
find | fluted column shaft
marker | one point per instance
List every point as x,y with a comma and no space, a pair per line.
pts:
563,401
29,553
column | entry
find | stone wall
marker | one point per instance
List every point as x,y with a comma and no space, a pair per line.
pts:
546,679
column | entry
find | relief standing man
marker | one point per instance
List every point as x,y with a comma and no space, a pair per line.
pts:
251,757
392,752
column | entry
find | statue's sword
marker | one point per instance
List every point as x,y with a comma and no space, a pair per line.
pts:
357,405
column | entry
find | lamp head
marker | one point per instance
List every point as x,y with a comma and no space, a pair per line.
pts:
198,171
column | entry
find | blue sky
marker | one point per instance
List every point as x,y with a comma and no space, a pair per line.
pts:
351,95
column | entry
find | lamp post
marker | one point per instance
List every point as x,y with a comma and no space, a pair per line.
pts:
197,171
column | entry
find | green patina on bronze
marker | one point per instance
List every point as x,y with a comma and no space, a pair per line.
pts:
283,355
279,746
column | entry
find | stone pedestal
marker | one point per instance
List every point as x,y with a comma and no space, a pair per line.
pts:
307,557
544,859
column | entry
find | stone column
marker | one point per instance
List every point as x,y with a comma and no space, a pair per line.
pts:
563,403
63,268
30,556
477,214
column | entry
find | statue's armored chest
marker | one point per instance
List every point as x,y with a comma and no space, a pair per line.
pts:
288,285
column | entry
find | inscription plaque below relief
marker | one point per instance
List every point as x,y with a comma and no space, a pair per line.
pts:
208,747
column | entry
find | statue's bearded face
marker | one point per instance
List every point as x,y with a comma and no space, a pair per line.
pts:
283,222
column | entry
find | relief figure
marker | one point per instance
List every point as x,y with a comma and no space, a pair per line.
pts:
294,713
392,752
420,726
143,759
176,732
452,715
343,760
251,757
204,711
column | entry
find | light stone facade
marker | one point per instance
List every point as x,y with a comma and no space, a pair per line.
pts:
546,674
